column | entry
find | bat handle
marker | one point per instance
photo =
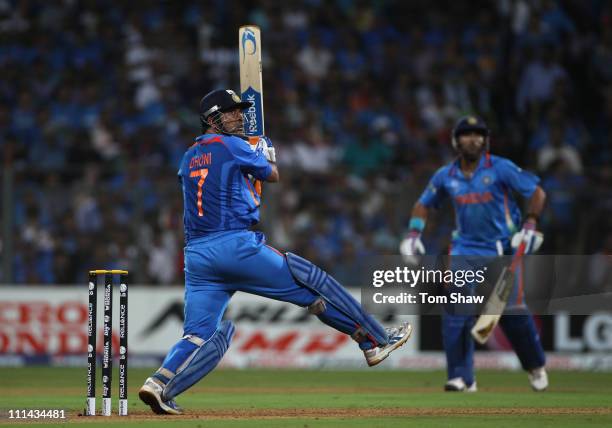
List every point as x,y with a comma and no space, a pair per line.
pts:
518,256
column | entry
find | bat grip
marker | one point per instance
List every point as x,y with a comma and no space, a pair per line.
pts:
518,256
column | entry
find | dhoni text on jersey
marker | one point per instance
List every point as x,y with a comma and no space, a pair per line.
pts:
199,161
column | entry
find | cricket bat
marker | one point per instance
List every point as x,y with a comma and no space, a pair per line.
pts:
251,84
498,300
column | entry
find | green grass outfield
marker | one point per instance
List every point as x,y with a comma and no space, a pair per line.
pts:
295,398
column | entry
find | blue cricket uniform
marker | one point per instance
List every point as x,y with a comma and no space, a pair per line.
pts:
223,256
486,217
484,206
217,193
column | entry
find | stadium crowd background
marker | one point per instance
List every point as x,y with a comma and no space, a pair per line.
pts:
98,101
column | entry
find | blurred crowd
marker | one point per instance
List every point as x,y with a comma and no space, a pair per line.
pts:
98,101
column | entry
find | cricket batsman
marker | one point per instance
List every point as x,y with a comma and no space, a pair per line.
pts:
222,256
480,187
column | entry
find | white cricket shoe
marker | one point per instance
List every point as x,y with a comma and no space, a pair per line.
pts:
458,384
151,394
397,337
538,379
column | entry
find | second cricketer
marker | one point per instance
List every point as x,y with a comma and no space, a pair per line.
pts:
480,187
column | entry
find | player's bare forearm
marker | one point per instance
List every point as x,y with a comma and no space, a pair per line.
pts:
274,177
419,211
536,204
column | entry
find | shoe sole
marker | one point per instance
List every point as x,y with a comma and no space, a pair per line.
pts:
452,388
150,398
381,357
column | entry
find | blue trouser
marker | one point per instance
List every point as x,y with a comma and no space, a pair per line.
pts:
516,323
217,266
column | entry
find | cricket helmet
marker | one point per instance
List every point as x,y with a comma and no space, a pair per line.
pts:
220,101
470,123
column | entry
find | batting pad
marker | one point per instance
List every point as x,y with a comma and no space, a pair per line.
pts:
314,278
201,361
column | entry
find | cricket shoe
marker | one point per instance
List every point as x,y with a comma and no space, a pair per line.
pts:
151,394
457,384
397,337
538,379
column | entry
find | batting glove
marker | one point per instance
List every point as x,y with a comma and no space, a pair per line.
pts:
266,140
265,145
412,244
530,236
411,247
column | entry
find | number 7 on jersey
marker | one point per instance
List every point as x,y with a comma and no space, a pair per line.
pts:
202,174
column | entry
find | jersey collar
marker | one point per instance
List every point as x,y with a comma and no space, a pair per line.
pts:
484,162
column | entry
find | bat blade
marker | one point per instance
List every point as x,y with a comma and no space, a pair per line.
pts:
498,300
494,307
251,81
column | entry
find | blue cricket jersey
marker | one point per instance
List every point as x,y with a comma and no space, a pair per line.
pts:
217,193
485,210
